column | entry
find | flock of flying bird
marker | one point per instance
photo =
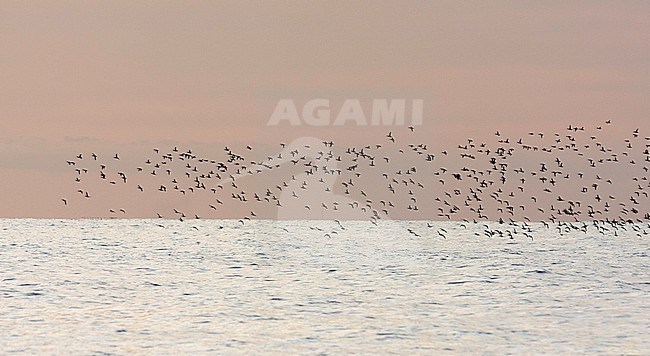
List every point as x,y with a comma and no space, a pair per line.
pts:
570,179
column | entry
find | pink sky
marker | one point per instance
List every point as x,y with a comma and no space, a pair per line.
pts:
126,76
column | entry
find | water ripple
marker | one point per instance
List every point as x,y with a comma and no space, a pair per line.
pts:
122,287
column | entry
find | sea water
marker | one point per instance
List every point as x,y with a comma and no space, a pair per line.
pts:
229,287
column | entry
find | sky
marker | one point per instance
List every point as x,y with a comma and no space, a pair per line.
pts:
128,76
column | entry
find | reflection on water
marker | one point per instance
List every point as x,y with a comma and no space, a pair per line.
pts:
100,286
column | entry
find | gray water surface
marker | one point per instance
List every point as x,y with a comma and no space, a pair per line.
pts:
159,286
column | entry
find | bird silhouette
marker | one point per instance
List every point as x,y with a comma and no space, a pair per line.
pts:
568,178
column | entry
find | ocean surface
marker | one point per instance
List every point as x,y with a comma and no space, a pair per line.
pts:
318,287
